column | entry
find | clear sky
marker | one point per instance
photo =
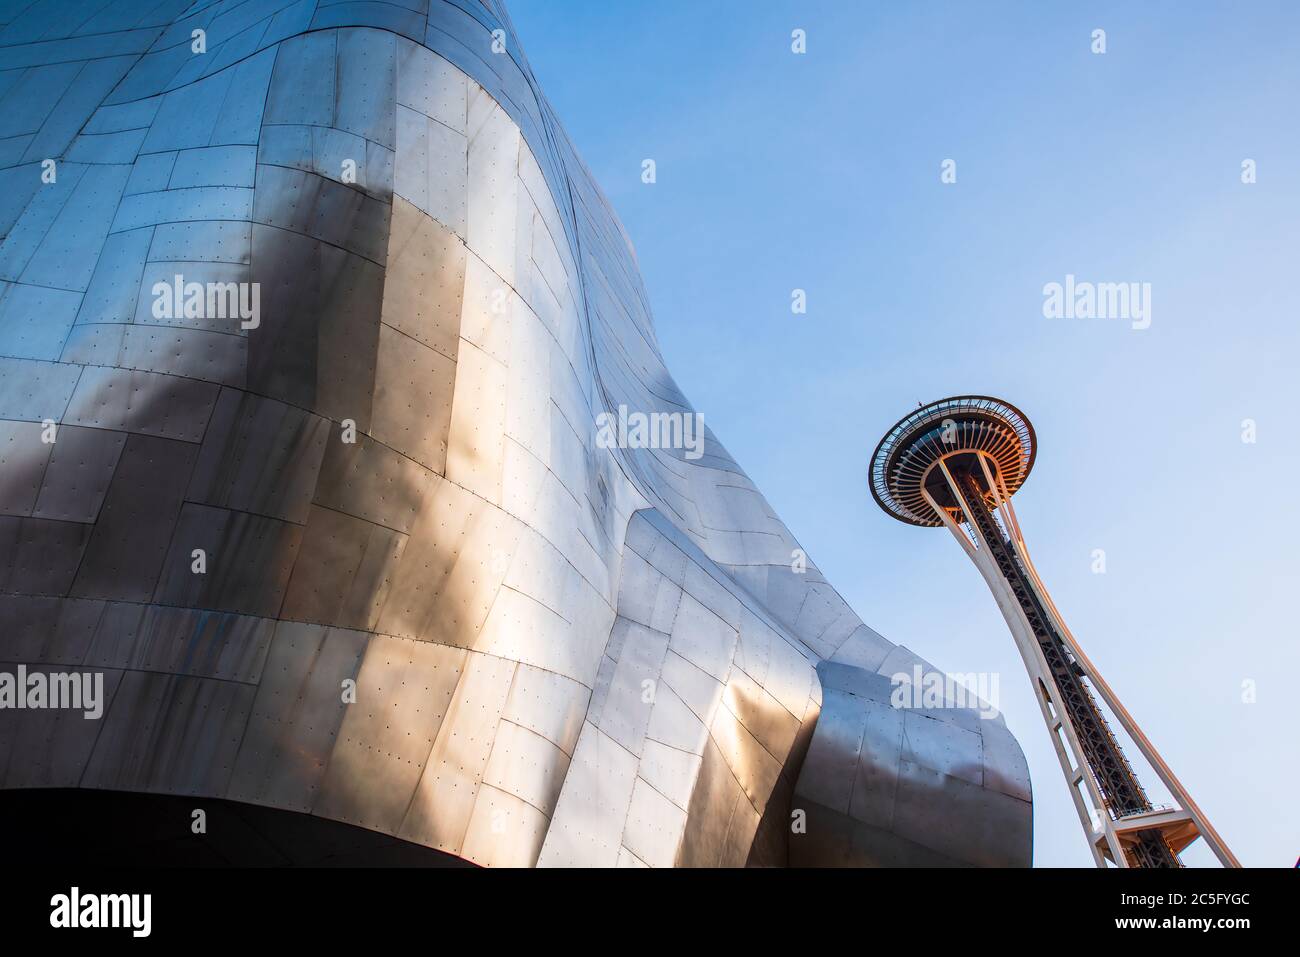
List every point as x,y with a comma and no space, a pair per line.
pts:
821,172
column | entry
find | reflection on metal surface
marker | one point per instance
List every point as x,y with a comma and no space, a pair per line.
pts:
956,463
360,555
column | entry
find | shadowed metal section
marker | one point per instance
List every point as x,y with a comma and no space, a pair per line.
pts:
891,787
308,311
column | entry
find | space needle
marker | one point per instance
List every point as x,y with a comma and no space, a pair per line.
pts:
957,463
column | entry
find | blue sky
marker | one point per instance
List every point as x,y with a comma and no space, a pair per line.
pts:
821,172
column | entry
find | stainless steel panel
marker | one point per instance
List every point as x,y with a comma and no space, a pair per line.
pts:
702,638
33,96
183,641
654,826
540,572
344,571
476,434
329,149
376,174
152,171
526,630
147,403
503,830
34,391
884,740
528,413
673,723
753,766
129,542
404,690
249,559
241,114
487,307
760,714
81,465
188,115
548,704
303,82
571,462
960,820
318,346
412,398
40,557
830,768
191,353
430,85
448,152
587,826
863,649
170,733
471,695
740,835
526,765
942,746
201,242
373,482
908,764
36,320
92,83
260,455
314,206
55,631
12,149
30,207
646,596
23,458
49,747
214,166
183,205
136,115
1005,768
424,280
296,714
161,69
493,181
367,84
387,15
206,273
625,712
350,341
115,285
282,359
670,771
68,253
713,803
287,145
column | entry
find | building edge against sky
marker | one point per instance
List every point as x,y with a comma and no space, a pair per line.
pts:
358,554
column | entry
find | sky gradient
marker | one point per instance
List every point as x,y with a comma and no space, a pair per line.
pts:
821,172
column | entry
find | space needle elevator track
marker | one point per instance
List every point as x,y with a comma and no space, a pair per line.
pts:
1120,790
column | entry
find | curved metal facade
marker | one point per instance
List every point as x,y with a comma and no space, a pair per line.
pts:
561,653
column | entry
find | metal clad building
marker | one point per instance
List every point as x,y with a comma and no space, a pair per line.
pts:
362,461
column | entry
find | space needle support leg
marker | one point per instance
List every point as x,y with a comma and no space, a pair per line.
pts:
1069,752
1122,715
